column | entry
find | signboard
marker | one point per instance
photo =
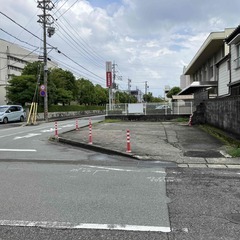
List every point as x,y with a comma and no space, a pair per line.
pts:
108,74
109,79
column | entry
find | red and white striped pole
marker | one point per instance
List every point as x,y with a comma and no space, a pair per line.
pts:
90,132
128,141
77,124
56,129
190,121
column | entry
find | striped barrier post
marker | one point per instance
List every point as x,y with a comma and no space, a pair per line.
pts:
90,132
77,128
128,141
56,129
190,121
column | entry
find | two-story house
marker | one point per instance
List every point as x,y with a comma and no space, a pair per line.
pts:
203,71
233,40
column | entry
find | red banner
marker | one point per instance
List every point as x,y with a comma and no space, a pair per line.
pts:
109,79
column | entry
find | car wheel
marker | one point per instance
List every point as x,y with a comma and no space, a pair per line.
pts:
21,119
5,120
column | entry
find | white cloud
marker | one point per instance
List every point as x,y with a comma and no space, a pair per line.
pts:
149,40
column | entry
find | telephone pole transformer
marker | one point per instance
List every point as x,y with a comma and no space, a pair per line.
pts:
46,20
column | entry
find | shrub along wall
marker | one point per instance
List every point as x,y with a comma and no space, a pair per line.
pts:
223,113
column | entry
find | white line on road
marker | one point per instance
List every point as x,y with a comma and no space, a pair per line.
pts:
17,150
68,225
28,136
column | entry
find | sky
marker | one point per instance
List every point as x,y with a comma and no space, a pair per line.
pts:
146,40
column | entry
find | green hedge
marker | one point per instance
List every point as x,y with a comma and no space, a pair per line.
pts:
69,108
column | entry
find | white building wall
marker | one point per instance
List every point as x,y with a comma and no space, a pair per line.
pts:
13,58
223,79
235,72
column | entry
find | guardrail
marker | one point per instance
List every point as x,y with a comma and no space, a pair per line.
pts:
176,108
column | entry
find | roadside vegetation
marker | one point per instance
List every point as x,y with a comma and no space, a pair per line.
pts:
233,144
65,91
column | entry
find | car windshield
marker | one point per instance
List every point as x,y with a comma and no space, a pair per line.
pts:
3,109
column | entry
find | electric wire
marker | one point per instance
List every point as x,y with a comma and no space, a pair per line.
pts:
60,52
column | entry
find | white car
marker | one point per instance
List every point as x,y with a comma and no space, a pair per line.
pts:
12,113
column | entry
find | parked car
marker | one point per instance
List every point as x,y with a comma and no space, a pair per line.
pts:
12,113
163,109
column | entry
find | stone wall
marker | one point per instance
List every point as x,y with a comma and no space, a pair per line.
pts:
223,113
65,115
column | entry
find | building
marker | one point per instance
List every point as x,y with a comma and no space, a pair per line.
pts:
233,62
207,70
13,58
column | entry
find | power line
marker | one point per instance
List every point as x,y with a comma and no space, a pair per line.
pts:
50,45
17,38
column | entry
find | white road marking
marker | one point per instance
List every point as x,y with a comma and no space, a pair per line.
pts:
48,130
68,225
68,125
122,170
17,150
28,136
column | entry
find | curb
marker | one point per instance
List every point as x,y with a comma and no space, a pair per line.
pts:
95,148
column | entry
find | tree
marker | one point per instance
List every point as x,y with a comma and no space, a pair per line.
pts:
173,91
21,89
86,92
101,95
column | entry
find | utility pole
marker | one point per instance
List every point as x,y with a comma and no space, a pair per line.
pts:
46,20
129,85
114,83
146,87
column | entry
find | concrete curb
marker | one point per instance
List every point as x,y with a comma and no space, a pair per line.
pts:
96,148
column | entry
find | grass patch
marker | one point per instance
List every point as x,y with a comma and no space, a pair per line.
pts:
233,144
234,152
182,119
112,120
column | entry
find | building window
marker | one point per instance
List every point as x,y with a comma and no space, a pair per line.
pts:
10,67
15,59
237,60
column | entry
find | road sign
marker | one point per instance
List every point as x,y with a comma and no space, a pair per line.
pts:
42,87
42,93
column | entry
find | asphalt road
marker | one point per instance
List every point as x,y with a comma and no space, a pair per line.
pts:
60,196
87,195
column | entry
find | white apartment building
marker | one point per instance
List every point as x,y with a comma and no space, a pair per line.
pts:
13,58
202,74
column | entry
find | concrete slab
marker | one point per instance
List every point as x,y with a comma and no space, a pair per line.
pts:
216,166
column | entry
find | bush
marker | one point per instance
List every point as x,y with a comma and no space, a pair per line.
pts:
70,108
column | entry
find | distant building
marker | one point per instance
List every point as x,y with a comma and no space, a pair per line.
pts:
166,90
13,58
138,94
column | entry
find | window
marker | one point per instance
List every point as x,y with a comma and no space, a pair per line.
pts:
237,60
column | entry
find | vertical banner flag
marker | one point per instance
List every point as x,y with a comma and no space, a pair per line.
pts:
109,74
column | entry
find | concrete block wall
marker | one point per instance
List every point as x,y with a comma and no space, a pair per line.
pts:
223,113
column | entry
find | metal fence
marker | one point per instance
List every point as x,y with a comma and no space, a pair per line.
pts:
176,108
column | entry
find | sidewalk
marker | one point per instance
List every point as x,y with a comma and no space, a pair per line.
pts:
155,141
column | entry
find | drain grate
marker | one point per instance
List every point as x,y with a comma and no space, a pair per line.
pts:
203,154
233,217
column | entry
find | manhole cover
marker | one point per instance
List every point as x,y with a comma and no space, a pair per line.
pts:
234,217
203,154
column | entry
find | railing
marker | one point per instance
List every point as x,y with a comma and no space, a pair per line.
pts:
176,108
